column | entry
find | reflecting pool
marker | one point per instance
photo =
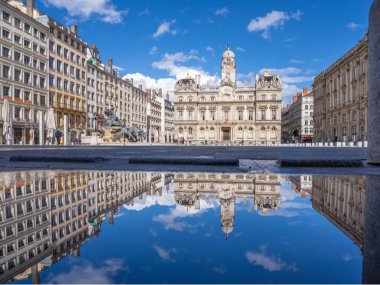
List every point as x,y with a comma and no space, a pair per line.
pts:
139,227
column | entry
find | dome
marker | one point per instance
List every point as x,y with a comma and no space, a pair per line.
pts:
228,53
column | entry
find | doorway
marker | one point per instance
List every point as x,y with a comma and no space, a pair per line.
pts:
226,134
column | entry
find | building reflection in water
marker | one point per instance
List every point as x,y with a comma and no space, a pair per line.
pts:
47,215
263,189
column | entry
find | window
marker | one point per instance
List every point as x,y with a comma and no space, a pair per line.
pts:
190,115
240,98
27,95
17,56
6,16
180,130
274,97
42,36
17,75
17,39
274,115
6,71
17,93
263,97
26,60
26,43
6,52
203,116
240,115
17,23
212,99
212,114
26,77
263,114
5,91
226,115
250,115
6,34
306,122
190,131
42,50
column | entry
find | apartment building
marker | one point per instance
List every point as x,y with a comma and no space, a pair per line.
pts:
297,118
24,71
341,98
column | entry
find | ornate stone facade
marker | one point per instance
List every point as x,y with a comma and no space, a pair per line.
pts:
264,190
228,113
341,98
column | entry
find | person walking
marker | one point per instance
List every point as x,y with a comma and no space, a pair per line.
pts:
58,136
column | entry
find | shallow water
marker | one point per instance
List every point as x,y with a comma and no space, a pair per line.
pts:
138,227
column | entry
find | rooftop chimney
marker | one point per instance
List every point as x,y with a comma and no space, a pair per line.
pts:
305,91
74,29
110,64
160,93
167,96
30,4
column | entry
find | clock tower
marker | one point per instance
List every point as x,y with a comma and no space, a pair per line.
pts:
228,83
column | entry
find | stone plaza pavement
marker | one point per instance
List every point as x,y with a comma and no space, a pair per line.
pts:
254,159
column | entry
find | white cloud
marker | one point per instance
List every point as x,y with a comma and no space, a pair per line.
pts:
290,77
165,28
296,61
84,9
354,26
153,50
268,262
211,50
86,273
240,49
222,12
176,67
163,253
144,12
274,19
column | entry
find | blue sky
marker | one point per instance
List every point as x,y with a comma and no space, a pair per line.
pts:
157,42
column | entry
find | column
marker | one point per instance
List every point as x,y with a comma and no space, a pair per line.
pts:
35,274
374,84
41,127
65,130
371,249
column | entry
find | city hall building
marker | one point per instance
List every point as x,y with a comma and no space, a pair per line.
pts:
227,113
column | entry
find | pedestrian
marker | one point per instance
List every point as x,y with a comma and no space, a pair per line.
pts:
58,136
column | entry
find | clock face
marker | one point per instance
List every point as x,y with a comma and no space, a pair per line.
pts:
227,91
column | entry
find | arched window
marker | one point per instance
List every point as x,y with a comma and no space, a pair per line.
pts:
250,129
274,129
212,129
180,99
202,128
240,128
263,129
